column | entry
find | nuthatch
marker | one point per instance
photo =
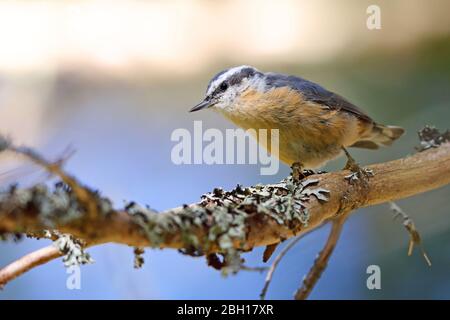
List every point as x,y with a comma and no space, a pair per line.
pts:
315,125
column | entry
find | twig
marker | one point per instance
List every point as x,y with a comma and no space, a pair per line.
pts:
28,262
84,195
321,261
414,235
253,269
275,263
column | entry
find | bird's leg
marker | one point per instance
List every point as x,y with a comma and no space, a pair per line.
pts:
297,172
351,164
357,171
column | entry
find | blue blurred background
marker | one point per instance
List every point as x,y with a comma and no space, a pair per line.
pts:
114,79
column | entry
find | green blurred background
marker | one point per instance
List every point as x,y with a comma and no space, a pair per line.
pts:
114,79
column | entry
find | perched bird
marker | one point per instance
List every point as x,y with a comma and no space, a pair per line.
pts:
315,125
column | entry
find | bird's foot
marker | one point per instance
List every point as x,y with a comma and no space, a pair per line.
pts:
298,173
358,173
309,172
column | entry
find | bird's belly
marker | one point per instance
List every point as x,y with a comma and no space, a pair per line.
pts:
311,138
310,155
312,148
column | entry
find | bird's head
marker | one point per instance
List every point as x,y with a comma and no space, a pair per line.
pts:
226,87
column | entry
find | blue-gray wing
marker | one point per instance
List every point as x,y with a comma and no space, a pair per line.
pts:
316,93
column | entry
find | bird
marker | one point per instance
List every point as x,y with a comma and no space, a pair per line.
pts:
315,125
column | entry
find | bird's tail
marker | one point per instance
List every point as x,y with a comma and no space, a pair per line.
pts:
381,135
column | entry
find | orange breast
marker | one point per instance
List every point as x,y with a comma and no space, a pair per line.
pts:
308,132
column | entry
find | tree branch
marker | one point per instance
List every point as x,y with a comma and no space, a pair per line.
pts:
275,264
223,221
322,259
31,260
392,180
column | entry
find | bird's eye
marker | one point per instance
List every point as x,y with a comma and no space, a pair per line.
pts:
223,86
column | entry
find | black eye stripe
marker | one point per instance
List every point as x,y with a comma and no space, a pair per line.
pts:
220,88
233,80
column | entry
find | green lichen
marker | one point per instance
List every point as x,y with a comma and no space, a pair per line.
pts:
224,214
221,214
285,202
138,257
430,137
57,206
52,208
73,250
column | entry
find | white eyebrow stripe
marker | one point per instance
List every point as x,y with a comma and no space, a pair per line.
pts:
225,76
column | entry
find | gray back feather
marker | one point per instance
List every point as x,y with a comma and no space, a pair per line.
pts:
315,93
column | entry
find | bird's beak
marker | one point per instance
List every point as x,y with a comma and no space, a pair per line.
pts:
202,105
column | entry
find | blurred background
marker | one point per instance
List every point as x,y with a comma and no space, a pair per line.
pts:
113,79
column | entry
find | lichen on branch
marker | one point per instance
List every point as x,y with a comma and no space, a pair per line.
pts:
224,222
221,216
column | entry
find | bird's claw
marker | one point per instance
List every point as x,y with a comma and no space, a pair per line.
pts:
359,173
298,173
